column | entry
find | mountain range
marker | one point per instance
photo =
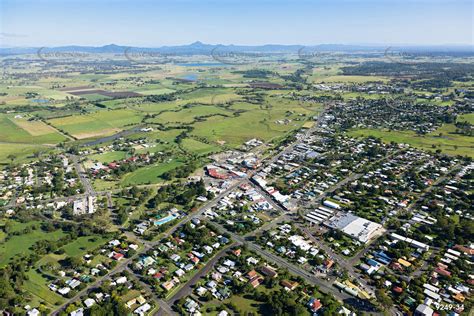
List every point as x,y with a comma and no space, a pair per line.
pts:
199,48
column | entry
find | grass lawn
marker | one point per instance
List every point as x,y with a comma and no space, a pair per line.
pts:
20,245
446,142
82,245
20,152
109,156
197,147
102,185
244,304
37,285
466,117
149,174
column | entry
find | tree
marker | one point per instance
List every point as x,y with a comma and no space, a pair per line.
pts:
383,298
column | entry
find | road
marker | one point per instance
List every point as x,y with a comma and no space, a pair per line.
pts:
322,284
120,267
88,188
187,288
148,245
164,307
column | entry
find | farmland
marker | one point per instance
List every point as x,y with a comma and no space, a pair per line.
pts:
443,139
98,165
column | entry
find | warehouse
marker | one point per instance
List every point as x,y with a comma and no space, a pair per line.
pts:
356,227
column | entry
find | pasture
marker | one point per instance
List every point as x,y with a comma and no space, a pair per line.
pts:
96,124
449,143
20,130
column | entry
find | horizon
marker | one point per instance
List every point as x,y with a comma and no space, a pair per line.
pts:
362,45
142,23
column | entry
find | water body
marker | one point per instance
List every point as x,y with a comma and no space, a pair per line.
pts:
191,77
40,100
113,137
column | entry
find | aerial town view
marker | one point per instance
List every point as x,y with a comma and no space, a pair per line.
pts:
236,157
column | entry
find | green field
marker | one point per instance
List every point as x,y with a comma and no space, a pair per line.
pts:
20,245
149,174
449,143
188,115
109,156
253,122
20,130
37,286
19,152
466,118
82,245
197,147
100,123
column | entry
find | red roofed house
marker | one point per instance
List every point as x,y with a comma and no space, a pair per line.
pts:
251,274
443,272
314,305
397,289
118,256
237,252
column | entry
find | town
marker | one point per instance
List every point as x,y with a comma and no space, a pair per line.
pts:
283,184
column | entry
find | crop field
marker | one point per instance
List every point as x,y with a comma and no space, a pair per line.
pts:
20,130
17,95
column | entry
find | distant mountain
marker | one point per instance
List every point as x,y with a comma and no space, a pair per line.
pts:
199,48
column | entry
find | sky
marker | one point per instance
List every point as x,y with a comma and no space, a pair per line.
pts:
155,23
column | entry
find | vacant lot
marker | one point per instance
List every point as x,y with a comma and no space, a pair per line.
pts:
198,148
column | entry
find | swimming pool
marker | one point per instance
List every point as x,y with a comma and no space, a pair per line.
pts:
164,220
